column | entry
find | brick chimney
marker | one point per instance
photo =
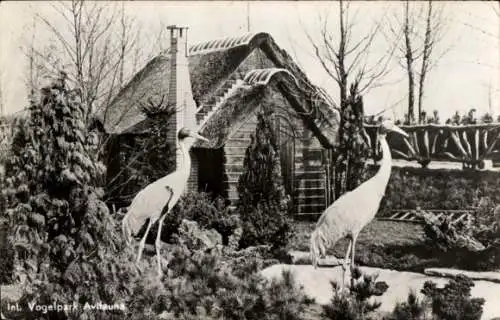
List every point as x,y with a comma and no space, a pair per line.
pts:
180,92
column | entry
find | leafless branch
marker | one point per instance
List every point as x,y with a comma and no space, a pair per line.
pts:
422,27
347,60
98,45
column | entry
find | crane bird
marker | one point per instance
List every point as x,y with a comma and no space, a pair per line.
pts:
347,216
160,196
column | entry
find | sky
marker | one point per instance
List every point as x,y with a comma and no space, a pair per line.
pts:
467,76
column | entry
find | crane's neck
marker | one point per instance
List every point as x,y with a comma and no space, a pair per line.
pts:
384,172
185,163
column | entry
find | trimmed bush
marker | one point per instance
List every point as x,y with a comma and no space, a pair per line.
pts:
409,188
262,203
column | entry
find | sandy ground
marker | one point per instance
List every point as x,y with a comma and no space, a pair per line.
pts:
316,284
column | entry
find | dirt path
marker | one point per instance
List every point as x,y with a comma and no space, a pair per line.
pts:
316,284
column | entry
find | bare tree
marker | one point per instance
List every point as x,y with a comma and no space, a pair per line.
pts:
418,48
408,30
496,8
2,111
36,70
355,69
434,27
348,62
96,44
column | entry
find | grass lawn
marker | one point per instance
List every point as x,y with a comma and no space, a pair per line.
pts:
392,245
376,233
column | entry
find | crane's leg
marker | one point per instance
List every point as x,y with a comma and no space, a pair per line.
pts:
353,251
166,209
344,265
158,245
143,240
354,238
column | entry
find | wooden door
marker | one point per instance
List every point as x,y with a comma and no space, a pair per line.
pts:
285,137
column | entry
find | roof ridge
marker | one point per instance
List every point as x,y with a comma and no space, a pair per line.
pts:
263,75
253,77
223,43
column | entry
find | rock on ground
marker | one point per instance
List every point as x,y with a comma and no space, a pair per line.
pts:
449,273
302,257
196,238
10,292
316,283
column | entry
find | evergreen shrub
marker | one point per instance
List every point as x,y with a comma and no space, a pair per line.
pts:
262,206
65,243
354,303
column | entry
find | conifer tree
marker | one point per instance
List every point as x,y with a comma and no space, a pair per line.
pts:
62,234
262,204
353,150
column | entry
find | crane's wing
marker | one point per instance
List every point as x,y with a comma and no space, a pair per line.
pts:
149,203
169,204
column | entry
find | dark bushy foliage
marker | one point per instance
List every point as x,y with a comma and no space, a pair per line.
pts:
353,150
7,254
454,302
66,245
205,285
208,213
262,206
410,188
49,174
144,156
443,233
472,243
354,304
411,309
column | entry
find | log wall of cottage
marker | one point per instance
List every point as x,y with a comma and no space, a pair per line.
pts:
310,175
308,163
193,176
305,171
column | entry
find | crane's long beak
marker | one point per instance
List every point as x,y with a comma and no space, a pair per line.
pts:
197,136
399,130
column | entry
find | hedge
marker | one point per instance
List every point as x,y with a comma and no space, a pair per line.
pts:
409,188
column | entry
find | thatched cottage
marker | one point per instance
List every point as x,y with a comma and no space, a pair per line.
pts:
218,87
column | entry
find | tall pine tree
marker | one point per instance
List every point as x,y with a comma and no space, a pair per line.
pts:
262,205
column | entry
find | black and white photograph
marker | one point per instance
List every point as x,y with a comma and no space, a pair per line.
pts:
250,160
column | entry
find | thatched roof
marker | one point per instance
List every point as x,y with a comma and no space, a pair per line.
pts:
241,104
210,64
125,109
235,110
